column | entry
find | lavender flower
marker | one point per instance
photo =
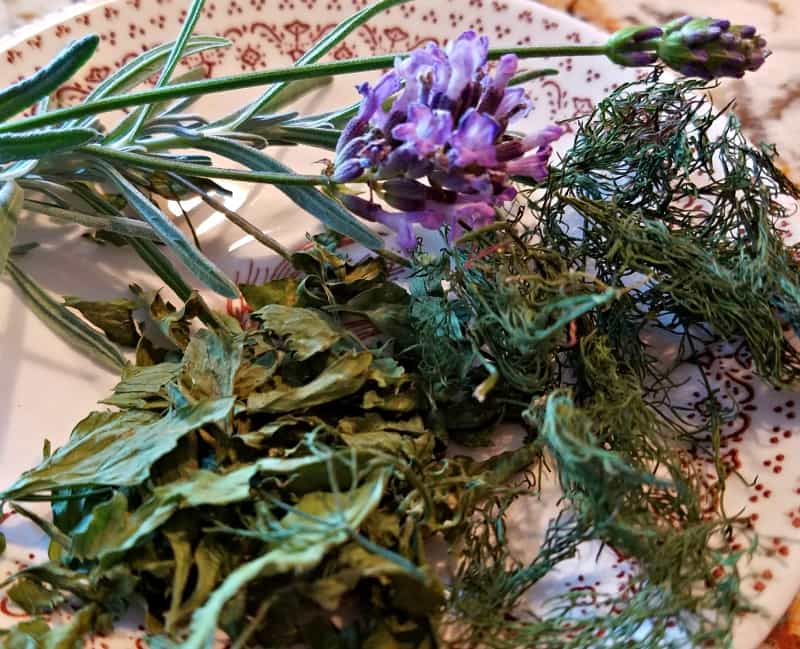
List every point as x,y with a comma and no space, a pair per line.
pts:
696,47
710,49
431,139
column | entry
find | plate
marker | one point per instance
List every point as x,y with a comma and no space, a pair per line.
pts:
45,386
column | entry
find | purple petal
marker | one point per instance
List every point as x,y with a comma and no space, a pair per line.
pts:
515,102
405,194
426,130
473,141
730,40
347,150
397,162
755,61
424,71
461,182
347,171
359,206
543,138
695,70
747,31
467,54
506,68
532,166
637,59
402,226
372,98
510,149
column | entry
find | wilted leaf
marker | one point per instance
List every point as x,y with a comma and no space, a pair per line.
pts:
343,377
118,453
114,317
34,598
143,387
402,402
320,522
307,331
386,306
386,372
257,438
25,635
210,363
277,291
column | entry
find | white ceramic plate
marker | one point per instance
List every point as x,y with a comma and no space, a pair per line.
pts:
45,386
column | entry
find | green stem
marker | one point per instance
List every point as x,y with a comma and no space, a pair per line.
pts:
200,171
262,77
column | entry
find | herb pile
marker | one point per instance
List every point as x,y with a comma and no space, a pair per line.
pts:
281,480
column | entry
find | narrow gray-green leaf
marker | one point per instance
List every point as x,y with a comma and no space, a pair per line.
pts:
205,270
146,64
117,224
158,262
320,206
17,169
11,200
25,93
120,131
318,50
30,145
175,55
65,323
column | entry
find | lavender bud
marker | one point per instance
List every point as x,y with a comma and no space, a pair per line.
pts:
405,194
347,171
359,206
709,48
746,31
621,45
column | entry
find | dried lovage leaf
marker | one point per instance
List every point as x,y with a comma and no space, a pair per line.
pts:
114,317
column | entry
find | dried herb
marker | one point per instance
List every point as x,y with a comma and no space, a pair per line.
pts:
279,479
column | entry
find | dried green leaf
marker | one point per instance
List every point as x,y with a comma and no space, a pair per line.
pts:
33,597
320,522
276,291
144,387
114,317
210,363
342,377
307,331
119,452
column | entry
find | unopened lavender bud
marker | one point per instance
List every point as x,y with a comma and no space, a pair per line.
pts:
405,194
359,206
711,48
348,171
622,45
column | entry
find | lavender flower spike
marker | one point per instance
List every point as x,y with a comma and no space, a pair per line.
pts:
708,48
430,139
711,49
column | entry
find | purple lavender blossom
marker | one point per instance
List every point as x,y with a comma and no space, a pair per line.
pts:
440,153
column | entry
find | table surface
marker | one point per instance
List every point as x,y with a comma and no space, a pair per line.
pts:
767,103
